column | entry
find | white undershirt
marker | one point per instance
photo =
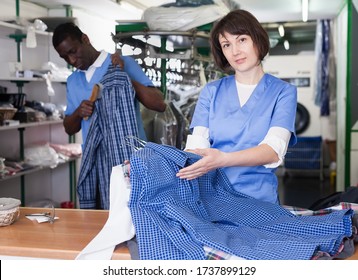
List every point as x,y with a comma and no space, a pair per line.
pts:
244,92
277,137
98,63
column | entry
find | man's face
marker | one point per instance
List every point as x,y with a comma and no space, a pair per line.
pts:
75,53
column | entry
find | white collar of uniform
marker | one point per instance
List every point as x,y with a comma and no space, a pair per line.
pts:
98,63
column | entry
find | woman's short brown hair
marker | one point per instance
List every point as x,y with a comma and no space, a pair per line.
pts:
238,22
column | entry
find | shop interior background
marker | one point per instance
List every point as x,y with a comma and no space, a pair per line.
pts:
99,18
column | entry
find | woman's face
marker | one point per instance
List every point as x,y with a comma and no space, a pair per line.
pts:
240,51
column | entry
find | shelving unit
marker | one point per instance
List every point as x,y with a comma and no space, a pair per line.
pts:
29,171
33,124
44,129
27,80
21,129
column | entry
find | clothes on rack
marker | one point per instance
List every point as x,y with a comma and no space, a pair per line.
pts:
165,127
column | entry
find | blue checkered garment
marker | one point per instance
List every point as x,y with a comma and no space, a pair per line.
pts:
175,218
113,119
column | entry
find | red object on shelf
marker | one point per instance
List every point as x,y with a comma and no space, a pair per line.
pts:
67,204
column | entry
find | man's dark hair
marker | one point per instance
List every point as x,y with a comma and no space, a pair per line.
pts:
65,30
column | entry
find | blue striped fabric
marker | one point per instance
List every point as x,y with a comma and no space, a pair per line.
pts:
113,119
175,218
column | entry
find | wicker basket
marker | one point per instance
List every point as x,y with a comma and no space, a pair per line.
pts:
9,210
7,113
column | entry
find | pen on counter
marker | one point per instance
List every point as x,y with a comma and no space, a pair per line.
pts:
39,214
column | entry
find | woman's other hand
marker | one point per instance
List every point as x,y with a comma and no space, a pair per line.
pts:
212,159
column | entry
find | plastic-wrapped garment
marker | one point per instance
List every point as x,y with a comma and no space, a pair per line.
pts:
68,150
42,155
165,128
186,18
188,109
183,125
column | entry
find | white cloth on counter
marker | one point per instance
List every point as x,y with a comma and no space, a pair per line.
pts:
119,226
40,218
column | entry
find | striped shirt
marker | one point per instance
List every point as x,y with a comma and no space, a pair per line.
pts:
113,119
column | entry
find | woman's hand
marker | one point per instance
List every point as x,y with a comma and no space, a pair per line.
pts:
212,159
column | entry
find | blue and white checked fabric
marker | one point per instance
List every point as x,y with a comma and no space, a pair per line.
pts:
175,218
113,119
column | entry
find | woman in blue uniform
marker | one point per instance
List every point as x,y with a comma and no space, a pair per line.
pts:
245,121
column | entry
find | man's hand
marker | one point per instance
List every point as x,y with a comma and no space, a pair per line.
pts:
85,109
117,60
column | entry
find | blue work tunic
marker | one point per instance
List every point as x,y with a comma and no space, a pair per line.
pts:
233,127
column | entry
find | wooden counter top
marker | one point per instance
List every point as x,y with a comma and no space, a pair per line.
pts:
64,239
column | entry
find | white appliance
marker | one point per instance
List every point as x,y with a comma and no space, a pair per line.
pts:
300,71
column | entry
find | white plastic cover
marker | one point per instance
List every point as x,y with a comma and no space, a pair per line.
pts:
182,18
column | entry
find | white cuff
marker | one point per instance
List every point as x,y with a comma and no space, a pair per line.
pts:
277,138
196,142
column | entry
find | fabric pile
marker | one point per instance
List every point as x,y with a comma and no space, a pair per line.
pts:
184,218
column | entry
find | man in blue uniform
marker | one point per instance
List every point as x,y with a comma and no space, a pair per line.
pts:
93,67
76,49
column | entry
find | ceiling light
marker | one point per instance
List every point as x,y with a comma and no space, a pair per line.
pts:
281,30
286,44
304,10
